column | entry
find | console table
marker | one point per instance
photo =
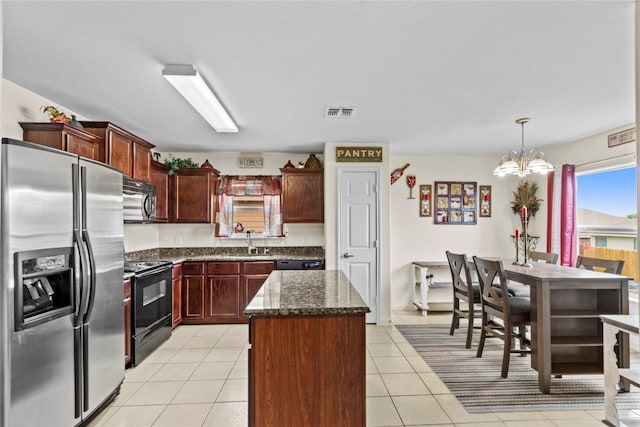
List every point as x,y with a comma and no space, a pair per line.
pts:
431,286
613,375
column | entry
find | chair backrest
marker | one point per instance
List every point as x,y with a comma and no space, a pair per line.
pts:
548,257
493,286
460,275
599,264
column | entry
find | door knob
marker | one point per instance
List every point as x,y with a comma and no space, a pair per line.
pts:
347,255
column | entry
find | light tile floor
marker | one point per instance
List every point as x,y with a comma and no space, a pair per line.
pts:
199,378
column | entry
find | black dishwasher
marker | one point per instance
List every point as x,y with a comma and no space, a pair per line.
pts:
300,264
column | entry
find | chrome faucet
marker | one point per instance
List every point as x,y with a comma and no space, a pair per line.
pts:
252,250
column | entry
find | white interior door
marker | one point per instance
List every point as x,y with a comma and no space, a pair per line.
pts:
358,233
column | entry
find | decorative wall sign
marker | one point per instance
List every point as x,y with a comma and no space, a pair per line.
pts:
485,201
358,154
622,137
425,200
251,161
456,202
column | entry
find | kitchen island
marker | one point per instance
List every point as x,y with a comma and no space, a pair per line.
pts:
307,351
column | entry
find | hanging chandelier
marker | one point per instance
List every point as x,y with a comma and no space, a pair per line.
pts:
523,163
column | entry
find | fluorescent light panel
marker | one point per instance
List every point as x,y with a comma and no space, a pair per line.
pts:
188,82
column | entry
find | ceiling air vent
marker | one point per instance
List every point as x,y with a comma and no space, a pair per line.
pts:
339,112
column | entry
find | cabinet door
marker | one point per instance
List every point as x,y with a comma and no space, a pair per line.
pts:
192,196
81,147
303,196
193,297
251,286
141,162
176,289
120,153
160,178
223,297
127,321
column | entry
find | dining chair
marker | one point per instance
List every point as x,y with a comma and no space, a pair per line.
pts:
513,311
548,257
463,290
600,264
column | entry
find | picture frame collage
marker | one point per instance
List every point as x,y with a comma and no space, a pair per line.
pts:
456,202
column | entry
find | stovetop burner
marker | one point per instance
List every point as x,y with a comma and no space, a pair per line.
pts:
141,266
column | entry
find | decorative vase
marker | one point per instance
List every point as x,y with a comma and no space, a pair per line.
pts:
313,162
75,122
206,165
289,165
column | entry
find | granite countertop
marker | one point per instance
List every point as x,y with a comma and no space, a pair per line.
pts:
177,255
306,292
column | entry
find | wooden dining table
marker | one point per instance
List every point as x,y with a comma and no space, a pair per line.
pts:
566,332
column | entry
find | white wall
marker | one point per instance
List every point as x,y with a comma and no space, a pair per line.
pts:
21,105
415,238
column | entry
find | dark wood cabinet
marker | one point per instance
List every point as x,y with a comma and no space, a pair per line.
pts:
160,178
176,290
193,278
192,195
220,290
302,195
63,137
295,378
122,149
127,321
254,273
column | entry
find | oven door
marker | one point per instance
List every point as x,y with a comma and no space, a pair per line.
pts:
152,300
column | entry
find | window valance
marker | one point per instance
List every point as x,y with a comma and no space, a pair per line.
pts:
241,185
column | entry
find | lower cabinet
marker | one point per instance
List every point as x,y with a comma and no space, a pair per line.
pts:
218,291
127,321
176,292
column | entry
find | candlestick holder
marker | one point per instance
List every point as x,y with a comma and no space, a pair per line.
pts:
525,262
515,239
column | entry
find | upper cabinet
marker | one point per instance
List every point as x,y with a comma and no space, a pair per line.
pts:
302,195
192,195
160,178
123,150
63,137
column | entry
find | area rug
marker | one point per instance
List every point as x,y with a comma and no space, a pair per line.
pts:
477,384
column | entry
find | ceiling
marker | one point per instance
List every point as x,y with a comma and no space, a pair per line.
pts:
426,77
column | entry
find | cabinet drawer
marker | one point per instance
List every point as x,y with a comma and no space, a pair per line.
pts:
177,271
257,267
193,268
223,268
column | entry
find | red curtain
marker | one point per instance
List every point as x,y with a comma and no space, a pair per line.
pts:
562,229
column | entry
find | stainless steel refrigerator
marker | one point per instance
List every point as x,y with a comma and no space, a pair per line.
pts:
61,301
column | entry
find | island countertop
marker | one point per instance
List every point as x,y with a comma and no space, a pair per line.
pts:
306,292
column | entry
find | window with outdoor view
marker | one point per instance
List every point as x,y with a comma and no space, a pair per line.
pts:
607,211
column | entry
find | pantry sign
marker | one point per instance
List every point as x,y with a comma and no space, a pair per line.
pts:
358,154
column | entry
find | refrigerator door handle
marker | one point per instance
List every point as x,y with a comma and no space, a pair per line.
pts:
90,256
92,277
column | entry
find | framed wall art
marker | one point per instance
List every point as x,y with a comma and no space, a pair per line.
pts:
425,200
455,202
485,201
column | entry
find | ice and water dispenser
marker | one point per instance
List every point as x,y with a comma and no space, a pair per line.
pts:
43,286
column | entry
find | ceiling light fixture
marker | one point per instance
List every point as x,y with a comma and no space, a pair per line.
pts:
523,163
193,88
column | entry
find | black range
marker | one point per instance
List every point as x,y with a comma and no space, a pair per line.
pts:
151,306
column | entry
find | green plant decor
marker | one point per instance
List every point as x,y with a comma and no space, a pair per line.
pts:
525,195
176,163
